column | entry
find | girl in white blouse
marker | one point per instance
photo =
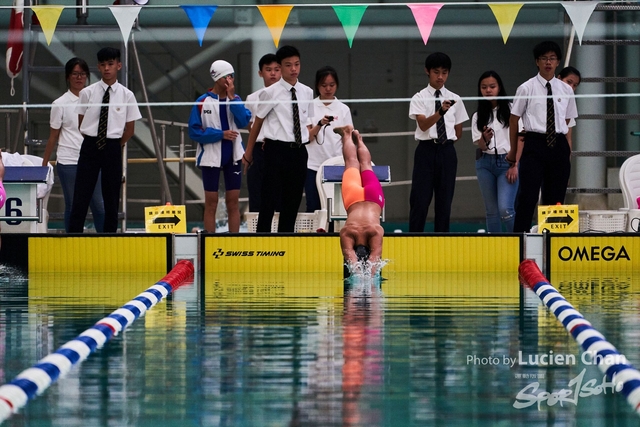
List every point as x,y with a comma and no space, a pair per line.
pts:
490,131
572,77
65,133
329,113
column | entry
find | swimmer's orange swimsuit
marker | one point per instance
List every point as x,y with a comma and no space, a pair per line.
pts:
361,187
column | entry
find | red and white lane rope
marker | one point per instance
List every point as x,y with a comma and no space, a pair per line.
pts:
35,380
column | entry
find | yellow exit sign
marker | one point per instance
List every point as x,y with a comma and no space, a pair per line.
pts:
558,219
165,219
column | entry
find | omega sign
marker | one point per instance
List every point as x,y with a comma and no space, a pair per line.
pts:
593,253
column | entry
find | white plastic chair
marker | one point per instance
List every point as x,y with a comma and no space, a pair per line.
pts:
629,178
330,191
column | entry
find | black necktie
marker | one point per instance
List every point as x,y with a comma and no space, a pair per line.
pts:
551,118
440,126
104,118
296,117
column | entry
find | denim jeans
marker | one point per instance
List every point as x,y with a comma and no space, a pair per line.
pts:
499,196
67,174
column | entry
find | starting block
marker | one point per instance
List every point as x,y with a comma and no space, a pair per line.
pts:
332,176
23,211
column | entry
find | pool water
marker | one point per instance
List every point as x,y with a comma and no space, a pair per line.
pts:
286,350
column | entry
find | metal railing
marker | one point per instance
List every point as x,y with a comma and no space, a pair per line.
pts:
182,159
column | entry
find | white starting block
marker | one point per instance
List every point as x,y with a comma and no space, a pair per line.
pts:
24,211
329,183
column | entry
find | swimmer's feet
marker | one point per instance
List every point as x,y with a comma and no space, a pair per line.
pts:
345,131
342,130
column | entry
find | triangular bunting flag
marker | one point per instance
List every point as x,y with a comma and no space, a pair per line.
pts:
48,17
125,17
200,16
506,14
275,17
350,17
579,13
425,15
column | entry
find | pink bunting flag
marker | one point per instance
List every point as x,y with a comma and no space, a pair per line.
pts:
425,15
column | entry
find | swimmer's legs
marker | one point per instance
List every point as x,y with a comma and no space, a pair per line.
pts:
364,156
349,151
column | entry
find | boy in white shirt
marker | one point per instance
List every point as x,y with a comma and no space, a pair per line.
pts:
546,105
439,114
269,70
107,112
285,115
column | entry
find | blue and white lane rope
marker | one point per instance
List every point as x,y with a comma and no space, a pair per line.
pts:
35,380
610,362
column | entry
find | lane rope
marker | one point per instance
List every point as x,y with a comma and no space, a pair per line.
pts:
613,364
35,380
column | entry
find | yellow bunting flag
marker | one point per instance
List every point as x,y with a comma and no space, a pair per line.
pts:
48,17
350,17
506,14
275,17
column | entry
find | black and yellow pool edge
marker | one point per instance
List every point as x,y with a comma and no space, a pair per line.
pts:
88,253
320,252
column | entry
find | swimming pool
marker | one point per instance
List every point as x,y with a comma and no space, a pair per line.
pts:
302,349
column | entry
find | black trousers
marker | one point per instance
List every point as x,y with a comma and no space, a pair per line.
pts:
285,170
255,176
541,167
434,174
91,162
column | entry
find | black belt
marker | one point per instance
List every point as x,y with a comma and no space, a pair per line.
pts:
535,135
95,138
285,143
436,142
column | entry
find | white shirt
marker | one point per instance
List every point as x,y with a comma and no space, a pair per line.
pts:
123,109
64,117
424,102
530,103
500,138
278,116
254,97
327,144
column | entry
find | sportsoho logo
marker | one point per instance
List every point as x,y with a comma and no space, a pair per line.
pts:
219,253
